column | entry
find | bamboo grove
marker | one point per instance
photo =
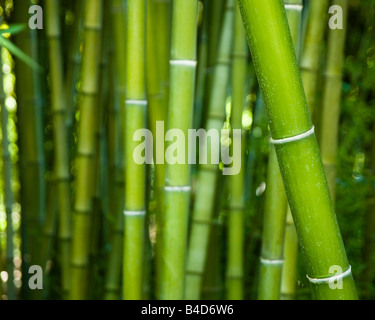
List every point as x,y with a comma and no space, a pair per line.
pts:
105,192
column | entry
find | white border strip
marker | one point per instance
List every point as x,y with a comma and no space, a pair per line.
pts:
331,279
267,261
137,102
134,213
298,7
187,63
295,138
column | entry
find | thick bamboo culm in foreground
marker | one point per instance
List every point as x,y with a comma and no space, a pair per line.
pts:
235,263
275,211
135,174
296,148
31,140
177,177
293,10
208,173
62,164
332,97
86,149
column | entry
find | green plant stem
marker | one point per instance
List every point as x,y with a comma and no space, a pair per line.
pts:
32,161
177,176
235,263
135,174
61,155
332,97
86,149
288,279
208,173
312,49
299,159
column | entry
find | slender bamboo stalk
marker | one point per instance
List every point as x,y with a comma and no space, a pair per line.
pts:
135,174
207,177
332,97
235,264
177,176
32,164
8,192
288,279
296,148
116,175
312,49
86,149
61,156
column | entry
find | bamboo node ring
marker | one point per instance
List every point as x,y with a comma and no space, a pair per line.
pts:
187,63
134,213
331,279
295,138
137,102
177,188
298,7
268,261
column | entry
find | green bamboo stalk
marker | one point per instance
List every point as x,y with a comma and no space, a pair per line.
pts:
135,174
177,176
86,149
32,164
312,49
8,192
332,97
296,148
207,177
157,61
271,260
61,155
73,63
235,263
116,175
288,279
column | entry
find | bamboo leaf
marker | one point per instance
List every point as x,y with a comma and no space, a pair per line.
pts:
14,29
19,53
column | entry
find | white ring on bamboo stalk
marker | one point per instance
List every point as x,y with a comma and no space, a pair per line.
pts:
298,7
268,261
331,279
177,189
187,63
295,138
137,102
134,213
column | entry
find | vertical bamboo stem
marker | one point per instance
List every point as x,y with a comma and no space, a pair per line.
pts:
177,176
297,149
235,264
135,174
86,149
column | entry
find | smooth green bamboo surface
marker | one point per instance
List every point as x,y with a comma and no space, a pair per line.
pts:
8,192
89,109
208,173
312,49
135,174
32,160
61,157
157,65
288,278
332,97
235,264
177,176
271,260
116,175
293,10
296,147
